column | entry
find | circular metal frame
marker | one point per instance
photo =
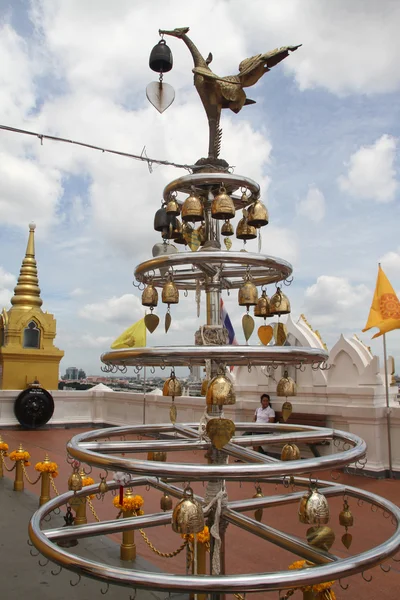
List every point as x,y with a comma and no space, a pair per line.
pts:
229,268
230,181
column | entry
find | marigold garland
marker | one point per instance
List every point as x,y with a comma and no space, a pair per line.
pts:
203,536
18,455
4,448
318,588
133,503
47,467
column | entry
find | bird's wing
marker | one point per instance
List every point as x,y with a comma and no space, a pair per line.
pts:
270,59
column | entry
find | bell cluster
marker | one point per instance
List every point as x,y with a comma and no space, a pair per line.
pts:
264,306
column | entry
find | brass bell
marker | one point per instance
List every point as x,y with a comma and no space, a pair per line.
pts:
220,391
170,293
257,215
279,303
290,452
346,518
103,487
161,220
321,537
185,231
227,228
157,455
248,294
261,309
258,513
172,207
165,502
172,386
314,509
150,296
245,231
201,232
75,481
286,386
192,209
204,386
222,206
175,230
187,517
161,60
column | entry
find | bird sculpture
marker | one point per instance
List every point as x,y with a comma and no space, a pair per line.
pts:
217,92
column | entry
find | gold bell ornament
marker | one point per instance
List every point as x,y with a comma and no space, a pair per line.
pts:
222,206
248,296
346,519
204,387
227,228
261,309
175,231
286,386
220,391
314,508
258,513
150,296
187,517
75,481
279,303
169,295
290,452
321,537
103,487
287,409
257,214
165,502
157,455
244,231
172,207
192,209
172,387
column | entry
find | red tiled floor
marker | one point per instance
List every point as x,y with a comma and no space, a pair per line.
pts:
244,552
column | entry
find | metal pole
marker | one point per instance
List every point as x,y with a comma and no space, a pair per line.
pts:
144,396
388,420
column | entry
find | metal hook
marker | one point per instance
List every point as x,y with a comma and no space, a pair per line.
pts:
56,573
385,570
77,583
33,552
104,592
134,595
365,579
46,562
335,478
344,587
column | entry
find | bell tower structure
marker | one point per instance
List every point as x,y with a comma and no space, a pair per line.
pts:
27,351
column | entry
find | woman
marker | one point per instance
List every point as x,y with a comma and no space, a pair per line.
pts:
265,413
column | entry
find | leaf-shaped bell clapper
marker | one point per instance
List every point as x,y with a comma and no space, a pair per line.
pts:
161,60
192,209
187,517
257,215
172,386
279,303
75,481
227,228
290,452
222,206
261,309
165,502
170,293
150,296
314,508
172,207
286,386
220,391
248,294
346,518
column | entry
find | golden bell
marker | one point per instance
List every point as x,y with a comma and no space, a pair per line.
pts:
192,209
314,509
172,387
175,231
321,537
286,386
257,215
261,309
187,517
172,207
220,391
244,231
279,303
150,296
157,455
75,482
165,502
103,487
222,206
201,232
227,228
258,513
248,294
204,386
346,518
290,452
170,293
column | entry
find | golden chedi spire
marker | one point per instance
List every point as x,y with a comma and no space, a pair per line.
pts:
27,291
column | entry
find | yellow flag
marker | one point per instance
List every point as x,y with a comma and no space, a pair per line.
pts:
385,307
134,336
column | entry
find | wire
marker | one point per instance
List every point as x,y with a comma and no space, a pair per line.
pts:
149,161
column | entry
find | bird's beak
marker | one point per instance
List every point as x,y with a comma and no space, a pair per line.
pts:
165,32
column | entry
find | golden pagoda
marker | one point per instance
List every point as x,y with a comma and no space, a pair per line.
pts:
27,351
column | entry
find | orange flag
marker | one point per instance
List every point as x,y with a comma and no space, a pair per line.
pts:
385,307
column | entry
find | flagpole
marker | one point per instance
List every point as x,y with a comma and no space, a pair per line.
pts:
388,419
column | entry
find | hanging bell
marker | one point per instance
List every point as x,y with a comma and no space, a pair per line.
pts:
165,502
201,232
346,518
321,537
172,386
157,455
150,296
172,207
204,387
279,303
257,215
248,294
188,517
192,209
227,228
75,481
244,231
161,60
314,509
286,386
103,487
220,391
258,513
170,293
222,206
290,452
161,220
175,230
261,309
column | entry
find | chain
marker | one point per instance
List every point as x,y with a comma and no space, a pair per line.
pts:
92,509
53,485
27,476
163,554
4,463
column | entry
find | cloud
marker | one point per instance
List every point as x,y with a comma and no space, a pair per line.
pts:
313,205
371,174
122,310
77,292
7,283
91,341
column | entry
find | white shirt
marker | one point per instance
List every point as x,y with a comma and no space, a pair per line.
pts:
263,415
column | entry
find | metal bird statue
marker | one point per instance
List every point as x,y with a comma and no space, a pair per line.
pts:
226,92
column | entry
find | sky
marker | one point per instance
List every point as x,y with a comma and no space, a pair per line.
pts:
322,140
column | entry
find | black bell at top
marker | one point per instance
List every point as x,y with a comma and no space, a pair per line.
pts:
161,58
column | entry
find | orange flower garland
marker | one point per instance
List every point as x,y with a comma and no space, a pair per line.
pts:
133,503
203,536
47,467
4,448
88,481
318,588
24,456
